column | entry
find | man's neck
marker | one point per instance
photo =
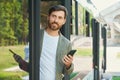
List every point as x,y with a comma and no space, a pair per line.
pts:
51,32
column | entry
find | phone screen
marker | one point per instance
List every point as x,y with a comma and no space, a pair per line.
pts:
11,51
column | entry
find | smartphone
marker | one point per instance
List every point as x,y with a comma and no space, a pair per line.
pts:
12,52
72,52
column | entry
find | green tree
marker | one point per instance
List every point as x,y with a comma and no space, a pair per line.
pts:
13,24
6,33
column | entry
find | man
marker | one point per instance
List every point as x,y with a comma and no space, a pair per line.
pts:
54,62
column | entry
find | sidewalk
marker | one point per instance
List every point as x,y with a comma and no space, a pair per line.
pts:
83,65
15,68
113,62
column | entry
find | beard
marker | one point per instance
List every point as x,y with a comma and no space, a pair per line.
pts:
54,26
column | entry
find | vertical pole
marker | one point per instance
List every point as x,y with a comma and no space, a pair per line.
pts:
71,21
87,24
104,48
34,38
95,25
66,28
76,17
84,22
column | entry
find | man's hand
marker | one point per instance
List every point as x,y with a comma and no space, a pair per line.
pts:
67,60
17,58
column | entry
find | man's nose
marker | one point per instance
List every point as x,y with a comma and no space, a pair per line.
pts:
56,19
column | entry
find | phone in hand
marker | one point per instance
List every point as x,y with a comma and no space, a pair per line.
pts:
12,52
72,52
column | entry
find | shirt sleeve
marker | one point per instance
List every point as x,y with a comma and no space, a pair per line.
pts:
70,70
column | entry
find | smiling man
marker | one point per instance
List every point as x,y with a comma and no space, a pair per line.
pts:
54,62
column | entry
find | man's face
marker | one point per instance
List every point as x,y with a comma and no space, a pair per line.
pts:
56,19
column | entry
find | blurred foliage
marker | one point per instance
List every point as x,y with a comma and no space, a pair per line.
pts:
84,52
13,22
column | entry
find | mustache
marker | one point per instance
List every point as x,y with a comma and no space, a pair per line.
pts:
55,23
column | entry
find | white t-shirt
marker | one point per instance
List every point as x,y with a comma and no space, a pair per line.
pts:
48,57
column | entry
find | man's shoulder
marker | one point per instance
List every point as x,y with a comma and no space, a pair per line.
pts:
65,39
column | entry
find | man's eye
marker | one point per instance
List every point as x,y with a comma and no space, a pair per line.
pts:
53,16
60,17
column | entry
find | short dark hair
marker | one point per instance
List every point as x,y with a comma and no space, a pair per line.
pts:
58,8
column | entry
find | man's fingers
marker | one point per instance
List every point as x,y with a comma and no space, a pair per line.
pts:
67,59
